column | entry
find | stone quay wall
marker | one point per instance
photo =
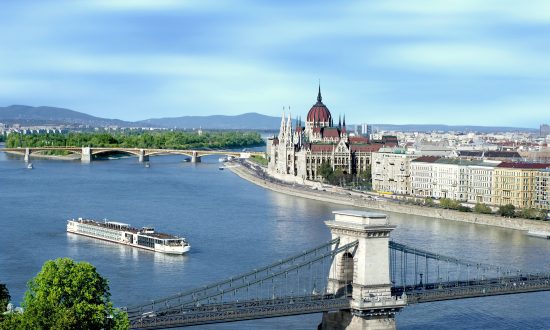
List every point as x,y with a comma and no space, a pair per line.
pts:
363,201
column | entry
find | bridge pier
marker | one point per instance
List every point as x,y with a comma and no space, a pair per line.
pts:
195,158
86,155
27,155
142,157
366,270
345,320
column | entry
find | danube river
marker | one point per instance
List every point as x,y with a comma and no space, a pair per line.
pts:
233,226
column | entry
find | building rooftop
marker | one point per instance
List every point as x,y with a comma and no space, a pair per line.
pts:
524,165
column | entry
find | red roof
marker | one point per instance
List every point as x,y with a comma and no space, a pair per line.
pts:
365,147
331,132
358,139
322,147
318,113
524,165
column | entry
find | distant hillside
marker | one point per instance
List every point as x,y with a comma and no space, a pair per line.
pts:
448,128
245,121
25,114
28,115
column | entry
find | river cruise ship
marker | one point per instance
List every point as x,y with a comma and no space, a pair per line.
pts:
122,233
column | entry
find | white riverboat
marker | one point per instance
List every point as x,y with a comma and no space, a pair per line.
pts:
118,232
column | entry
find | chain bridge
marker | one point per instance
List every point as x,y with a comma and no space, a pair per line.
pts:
87,153
359,280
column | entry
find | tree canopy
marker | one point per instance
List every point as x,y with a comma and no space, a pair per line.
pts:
4,298
154,139
325,170
68,295
507,210
482,208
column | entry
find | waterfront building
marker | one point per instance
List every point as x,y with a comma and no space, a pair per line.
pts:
480,181
391,171
298,151
514,183
422,176
542,189
450,178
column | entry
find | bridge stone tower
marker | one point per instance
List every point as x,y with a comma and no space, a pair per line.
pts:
367,268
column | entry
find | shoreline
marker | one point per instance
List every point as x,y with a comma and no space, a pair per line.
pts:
40,156
363,201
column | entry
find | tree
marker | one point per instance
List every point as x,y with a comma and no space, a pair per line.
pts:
463,208
482,208
448,203
4,300
507,210
325,170
531,213
70,295
4,297
429,201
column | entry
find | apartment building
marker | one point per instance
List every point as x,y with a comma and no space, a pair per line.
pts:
514,183
542,189
391,171
480,181
422,176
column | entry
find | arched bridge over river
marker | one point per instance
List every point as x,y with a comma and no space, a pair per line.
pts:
359,280
87,153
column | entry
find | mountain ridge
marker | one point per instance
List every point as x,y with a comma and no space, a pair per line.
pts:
251,120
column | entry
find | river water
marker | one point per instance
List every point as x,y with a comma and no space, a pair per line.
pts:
233,226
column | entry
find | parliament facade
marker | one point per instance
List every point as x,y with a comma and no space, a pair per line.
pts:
296,154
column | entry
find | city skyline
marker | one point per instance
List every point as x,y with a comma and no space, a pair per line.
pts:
458,63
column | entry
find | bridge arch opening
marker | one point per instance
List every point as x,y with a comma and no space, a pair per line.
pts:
106,154
344,274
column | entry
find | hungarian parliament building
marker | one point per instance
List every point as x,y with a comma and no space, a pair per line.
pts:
296,154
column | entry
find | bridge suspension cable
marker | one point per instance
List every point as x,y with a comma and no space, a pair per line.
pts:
254,280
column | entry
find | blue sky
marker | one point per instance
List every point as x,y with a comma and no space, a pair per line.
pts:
484,62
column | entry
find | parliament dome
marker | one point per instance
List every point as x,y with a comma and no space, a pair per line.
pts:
319,112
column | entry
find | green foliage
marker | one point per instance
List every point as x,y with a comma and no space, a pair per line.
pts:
429,201
4,297
70,295
13,321
447,203
325,170
531,213
482,208
153,139
507,210
463,208
2,138
259,160
366,175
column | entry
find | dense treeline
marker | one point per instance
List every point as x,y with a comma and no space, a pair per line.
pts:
159,139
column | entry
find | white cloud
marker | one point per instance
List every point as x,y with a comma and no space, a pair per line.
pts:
464,59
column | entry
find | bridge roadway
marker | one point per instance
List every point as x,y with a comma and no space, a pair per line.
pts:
239,311
472,289
287,306
142,153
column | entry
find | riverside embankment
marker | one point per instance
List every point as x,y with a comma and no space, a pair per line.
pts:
365,201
